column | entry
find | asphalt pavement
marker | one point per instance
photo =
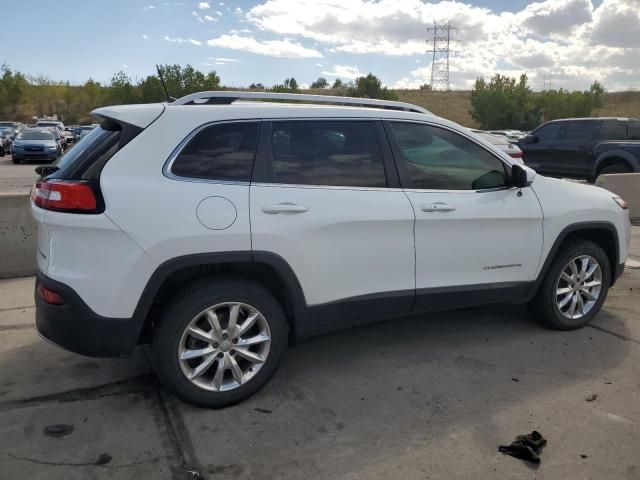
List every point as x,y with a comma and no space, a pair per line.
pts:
430,397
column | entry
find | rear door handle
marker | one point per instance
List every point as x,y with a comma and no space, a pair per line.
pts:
284,208
437,207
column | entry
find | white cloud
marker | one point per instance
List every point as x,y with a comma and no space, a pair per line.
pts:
182,40
226,60
204,5
571,40
209,18
343,71
197,16
149,7
145,36
272,48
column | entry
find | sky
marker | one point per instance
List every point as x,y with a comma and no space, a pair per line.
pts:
571,43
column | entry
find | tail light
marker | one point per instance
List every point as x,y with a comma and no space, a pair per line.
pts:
49,296
515,154
65,196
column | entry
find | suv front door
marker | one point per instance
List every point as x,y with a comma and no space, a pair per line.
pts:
476,238
540,155
325,197
573,149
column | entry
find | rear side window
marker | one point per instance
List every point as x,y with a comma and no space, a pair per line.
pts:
634,130
613,131
332,153
223,152
579,130
87,158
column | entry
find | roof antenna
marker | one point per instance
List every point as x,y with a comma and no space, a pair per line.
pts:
164,86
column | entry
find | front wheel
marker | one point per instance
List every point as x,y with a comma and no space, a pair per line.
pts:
219,342
575,286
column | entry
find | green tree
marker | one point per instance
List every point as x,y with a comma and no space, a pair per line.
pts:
321,82
290,85
13,86
504,102
122,90
337,84
371,87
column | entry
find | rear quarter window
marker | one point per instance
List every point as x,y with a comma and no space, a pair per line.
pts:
224,152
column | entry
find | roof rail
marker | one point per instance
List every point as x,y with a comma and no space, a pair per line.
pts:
227,97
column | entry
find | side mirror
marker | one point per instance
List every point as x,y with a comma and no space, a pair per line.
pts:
531,139
522,176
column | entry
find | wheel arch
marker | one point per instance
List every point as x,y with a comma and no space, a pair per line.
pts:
601,233
269,269
612,157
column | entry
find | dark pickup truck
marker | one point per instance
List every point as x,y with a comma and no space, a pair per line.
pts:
583,147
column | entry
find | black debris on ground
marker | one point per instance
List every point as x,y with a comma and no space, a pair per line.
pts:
525,447
58,430
582,455
514,379
591,398
103,459
262,410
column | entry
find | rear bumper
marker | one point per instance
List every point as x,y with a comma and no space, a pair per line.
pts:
75,327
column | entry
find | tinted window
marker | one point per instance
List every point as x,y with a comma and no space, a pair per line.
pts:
548,132
220,152
442,160
34,135
581,130
634,130
612,130
327,153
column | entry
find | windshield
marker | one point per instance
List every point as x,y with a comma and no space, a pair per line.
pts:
35,135
49,124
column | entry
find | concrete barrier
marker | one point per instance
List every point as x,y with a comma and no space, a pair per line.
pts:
627,186
17,236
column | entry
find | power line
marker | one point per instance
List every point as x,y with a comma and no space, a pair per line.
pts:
442,38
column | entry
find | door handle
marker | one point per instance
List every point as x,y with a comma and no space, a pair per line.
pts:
437,207
284,208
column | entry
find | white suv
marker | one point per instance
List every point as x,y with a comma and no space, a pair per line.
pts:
218,228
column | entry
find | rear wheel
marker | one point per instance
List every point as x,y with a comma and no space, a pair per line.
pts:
219,342
615,168
575,287
15,160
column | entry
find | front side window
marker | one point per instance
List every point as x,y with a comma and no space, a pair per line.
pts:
223,151
334,153
439,159
548,133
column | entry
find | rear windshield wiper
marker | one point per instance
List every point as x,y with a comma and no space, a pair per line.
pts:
45,170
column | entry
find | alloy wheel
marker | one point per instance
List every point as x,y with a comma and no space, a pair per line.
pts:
578,287
224,346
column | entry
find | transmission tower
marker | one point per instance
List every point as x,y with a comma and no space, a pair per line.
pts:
442,38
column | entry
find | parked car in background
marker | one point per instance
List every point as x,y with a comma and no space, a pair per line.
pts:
7,135
584,147
69,135
36,144
17,126
502,143
83,130
512,135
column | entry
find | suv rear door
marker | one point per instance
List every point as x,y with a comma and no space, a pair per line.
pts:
540,154
573,149
325,197
476,238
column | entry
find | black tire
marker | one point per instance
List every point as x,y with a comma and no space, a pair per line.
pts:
186,305
15,160
1,151
544,305
615,168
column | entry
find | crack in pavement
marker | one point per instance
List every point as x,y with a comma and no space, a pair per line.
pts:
81,464
617,335
4,328
176,437
139,384
16,308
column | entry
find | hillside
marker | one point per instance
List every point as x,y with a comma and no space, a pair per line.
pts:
455,105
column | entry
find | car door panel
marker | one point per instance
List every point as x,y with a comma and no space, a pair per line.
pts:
481,237
351,246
